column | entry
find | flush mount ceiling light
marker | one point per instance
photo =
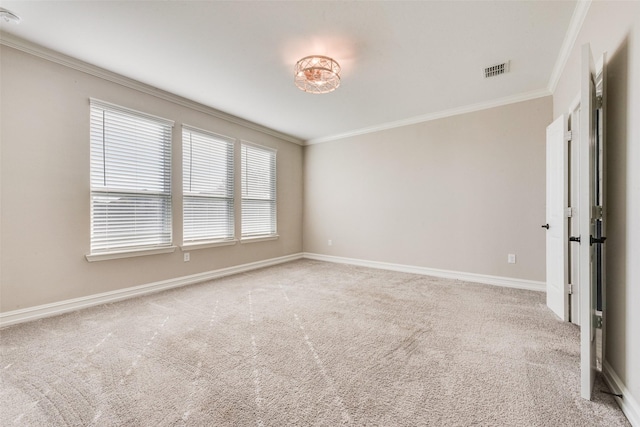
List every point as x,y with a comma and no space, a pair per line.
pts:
317,74
9,16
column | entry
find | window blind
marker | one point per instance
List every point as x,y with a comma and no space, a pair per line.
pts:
130,179
208,211
258,191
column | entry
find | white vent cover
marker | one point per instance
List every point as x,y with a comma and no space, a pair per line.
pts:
496,70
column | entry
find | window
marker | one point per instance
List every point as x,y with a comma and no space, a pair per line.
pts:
207,161
130,179
258,191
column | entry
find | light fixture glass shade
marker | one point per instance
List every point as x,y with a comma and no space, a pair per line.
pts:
317,74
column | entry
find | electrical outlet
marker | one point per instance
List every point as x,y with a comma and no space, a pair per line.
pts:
330,242
187,257
511,258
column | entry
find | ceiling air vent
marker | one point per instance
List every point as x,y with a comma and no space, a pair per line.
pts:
496,70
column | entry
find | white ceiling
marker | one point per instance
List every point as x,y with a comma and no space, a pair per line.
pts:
401,61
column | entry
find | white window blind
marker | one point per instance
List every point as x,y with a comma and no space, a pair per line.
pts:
208,212
258,191
130,179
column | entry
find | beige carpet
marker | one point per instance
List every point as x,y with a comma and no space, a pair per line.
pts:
304,343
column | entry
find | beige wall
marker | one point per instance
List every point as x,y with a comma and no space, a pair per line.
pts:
45,188
614,27
458,193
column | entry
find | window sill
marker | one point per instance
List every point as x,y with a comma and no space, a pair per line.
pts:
129,254
259,238
205,245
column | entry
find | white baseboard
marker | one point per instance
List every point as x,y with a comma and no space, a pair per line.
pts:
509,282
627,403
46,310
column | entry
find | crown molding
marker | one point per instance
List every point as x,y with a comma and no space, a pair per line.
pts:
78,65
577,19
435,116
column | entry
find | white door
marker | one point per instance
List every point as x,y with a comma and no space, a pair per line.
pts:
557,243
591,186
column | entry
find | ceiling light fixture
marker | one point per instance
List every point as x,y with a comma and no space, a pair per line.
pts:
317,74
9,16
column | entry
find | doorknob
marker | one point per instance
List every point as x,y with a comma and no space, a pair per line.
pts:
546,226
574,239
598,241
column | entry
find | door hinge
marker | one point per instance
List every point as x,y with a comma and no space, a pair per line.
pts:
568,136
568,212
597,212
597,321
599,101
570,288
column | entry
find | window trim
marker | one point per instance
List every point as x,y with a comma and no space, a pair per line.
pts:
139,250
105,256
260,237
209,243
121,109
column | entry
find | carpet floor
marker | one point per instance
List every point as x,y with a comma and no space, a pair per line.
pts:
305,343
